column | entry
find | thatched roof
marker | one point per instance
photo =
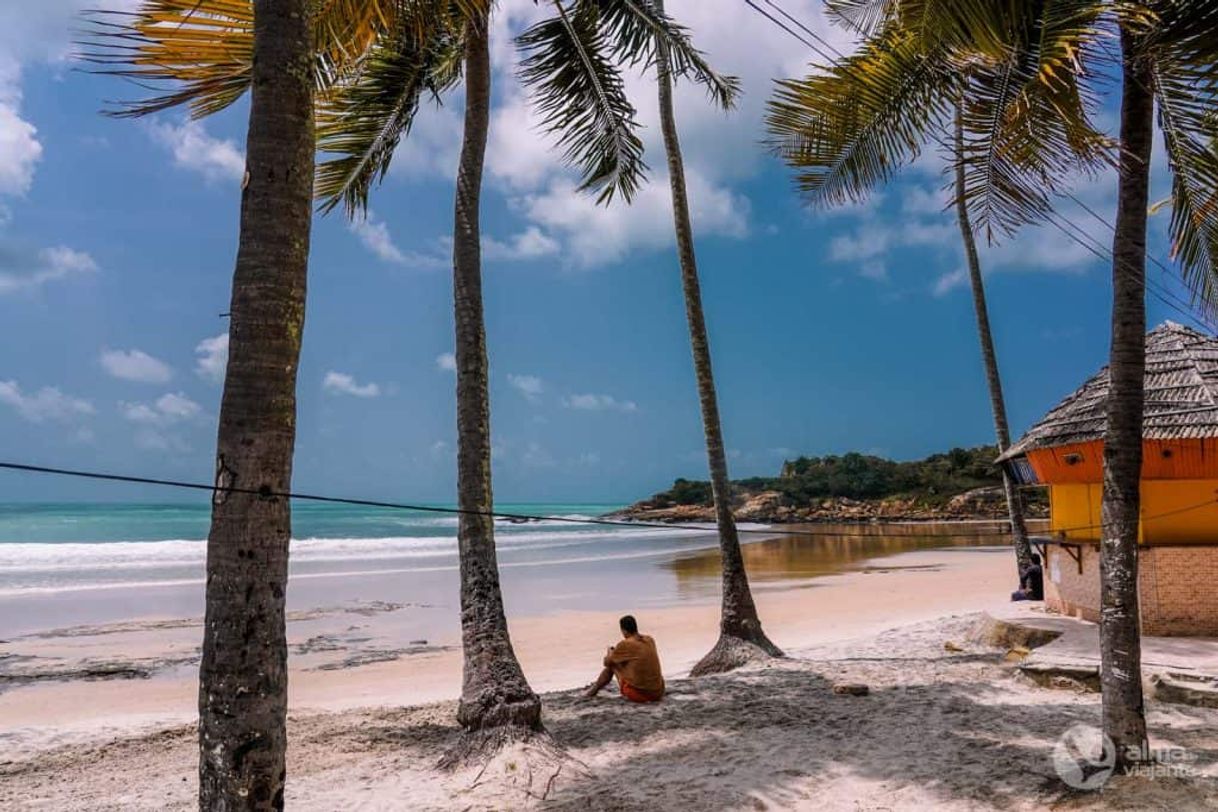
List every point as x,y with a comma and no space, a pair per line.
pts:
1181,396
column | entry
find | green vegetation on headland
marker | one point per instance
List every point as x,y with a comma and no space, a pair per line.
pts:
960,483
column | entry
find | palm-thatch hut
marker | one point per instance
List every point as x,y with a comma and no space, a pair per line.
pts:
1178,567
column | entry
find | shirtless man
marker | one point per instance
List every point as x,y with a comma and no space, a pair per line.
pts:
635,663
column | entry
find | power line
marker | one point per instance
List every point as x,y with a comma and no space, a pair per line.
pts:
1185,309
267,493
1170,300
1155,260
805,28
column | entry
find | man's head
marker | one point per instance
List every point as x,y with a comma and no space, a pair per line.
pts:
1035,559
629,625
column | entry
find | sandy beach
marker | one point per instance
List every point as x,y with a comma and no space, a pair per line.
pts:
372,710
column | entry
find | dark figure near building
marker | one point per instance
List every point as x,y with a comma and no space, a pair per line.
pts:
1032,584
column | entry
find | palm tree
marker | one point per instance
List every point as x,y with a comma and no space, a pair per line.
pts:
1120,631
989,359
243,672
823,152
740,634
380,59
1023,72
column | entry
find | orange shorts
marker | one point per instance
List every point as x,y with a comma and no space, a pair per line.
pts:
638,695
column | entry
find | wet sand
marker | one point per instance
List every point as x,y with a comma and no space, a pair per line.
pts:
361,644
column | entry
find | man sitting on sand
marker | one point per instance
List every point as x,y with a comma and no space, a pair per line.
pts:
635,663
1032,584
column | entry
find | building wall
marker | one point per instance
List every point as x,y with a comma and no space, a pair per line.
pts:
1066,589
1178,571
1174,511
1177,588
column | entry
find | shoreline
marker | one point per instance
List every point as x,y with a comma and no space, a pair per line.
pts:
354,655
947,722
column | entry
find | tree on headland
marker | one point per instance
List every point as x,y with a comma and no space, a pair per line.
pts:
741,637
243,672
1022,74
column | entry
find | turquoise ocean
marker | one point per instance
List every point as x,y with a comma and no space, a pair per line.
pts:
68,547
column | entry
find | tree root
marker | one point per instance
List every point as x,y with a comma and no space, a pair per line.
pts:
505,762
732,652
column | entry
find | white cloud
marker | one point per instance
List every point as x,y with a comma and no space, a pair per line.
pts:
528,385
20,149
47,404
192,148
168,409
47,265
153,440
213,358
177,406
156,420
949,281
595,235
447,361
375,236
434,144
135,365
599,403
340,383
32,32
528,244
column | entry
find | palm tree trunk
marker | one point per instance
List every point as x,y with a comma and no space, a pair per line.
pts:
495,698
243,674
739,627
1019,528
1120,636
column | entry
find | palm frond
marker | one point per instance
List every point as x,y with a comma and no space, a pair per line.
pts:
1187,97
200,52
1027,114
634,29
363,120
866,17
575,83
854,124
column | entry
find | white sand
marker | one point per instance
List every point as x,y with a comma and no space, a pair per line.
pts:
944,730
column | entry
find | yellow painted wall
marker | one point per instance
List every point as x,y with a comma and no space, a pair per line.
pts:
1074,507
1169,510
1179,498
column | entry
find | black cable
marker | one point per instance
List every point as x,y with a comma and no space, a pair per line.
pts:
1177,305
267,493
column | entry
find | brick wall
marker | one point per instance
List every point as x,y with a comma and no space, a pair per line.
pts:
1177,588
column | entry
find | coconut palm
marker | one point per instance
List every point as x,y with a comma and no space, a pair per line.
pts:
1023,73
741,637
571,67
243,673
371,79
820,150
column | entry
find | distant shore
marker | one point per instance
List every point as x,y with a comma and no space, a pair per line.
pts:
768,507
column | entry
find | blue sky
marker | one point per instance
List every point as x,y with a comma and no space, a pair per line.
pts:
831,332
